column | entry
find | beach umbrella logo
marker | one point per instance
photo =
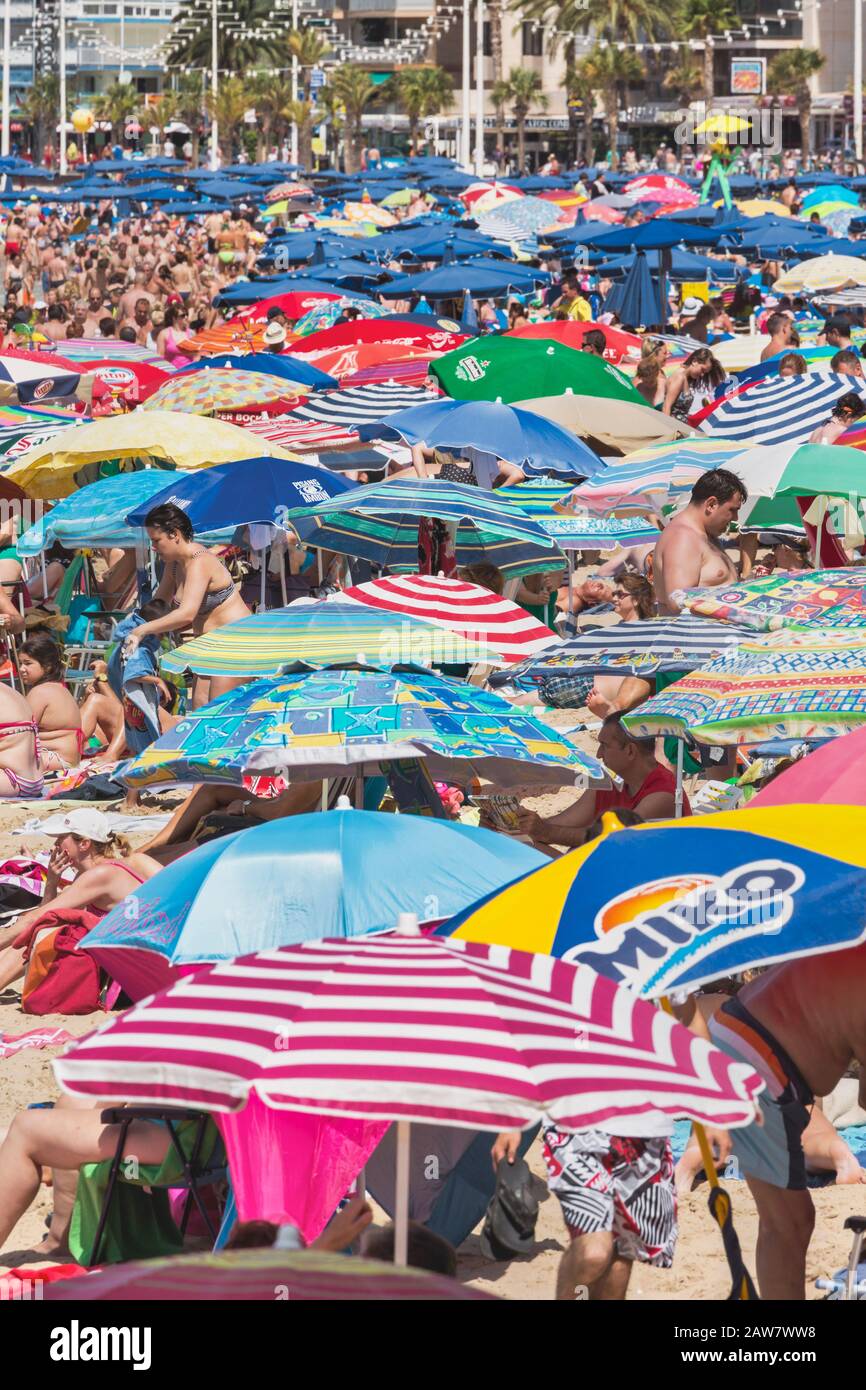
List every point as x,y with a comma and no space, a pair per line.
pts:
471,369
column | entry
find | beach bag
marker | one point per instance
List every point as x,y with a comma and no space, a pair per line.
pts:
71,983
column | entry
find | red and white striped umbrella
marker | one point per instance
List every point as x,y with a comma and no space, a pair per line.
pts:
469,609
410,1028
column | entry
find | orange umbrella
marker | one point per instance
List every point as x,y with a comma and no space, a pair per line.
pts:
237,335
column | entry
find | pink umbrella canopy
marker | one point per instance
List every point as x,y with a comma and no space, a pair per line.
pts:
469,609
410,1028
833,775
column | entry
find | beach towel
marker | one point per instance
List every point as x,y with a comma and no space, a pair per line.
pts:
10,1043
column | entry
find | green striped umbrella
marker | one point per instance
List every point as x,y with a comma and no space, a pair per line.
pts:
380,523
323,634
520,369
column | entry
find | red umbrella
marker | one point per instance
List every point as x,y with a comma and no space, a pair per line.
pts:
642,183
294,304
402,332
568,331
595,213
58,363
342,362
832,775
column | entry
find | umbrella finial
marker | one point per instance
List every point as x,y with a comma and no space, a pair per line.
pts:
407,925
343,803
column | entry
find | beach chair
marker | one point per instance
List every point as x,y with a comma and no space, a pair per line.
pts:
197,1169
849,1285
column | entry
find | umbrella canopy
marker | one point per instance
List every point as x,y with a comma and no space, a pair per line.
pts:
514,369
322,634
358,406
282,366
468,609
96,515
453,281
348,361
790,470
245,492
215,389
328,874
779,410
402,332
253,1275
379,522
805,600
676,904
319,723
571,333
452,1033
517,436
653,479
30,381
643,649
100,349
630,426
823,273
778,685
539,498
49,469
831,775
636,299
325,315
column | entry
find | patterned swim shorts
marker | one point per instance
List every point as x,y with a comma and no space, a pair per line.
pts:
608,1183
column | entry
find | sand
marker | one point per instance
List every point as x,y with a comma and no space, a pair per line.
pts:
699,1270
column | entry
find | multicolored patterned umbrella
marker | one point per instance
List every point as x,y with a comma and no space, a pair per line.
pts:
379,522
801,600
216,389
319,723
656,478
538,498
781,685
599,533
468,609
98,349
237,335
324,634
22,429
254,1275
450,1033
675,904
517,220
326,315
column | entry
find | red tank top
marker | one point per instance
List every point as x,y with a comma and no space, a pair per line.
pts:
661,779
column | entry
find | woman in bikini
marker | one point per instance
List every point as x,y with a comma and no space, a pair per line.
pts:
106,871
55,712
198,586
20,763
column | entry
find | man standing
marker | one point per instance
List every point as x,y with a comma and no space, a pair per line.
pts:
781,330
688,554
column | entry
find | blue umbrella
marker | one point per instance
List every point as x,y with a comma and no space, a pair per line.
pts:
517,436
453,281
272,363
96,515
336,875
652,236
636,299
469,317
248,492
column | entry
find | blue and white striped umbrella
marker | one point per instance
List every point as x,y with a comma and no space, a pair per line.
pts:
361,405
781,410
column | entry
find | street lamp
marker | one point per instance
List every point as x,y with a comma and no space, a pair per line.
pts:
7,63
465,136
214,86
479,88
294,83
61,38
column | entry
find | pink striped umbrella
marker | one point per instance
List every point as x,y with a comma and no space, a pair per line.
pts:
410,1028
476,613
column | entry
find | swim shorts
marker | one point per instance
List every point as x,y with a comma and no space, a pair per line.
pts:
608,1183
773,1151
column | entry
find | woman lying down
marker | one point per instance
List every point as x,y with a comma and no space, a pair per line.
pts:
106,870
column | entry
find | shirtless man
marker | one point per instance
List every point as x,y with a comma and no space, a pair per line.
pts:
688,554
800,1025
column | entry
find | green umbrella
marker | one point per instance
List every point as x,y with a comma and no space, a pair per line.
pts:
519,369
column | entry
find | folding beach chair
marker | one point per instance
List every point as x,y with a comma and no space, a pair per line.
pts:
197,1173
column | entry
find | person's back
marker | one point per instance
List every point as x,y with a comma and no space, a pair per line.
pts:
20,769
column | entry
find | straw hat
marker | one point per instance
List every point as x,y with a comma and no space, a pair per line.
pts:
274,335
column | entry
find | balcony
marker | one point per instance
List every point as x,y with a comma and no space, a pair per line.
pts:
400,9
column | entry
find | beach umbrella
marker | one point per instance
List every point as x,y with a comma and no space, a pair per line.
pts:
804,599
670,183
256,491
454,281
515,369
493,192
538,497
346,361
101,349
136,381
516,436
822,273
784,684
517,220
284,366
294,304
773,474
243,1276
29,381
579,532
475,613
656,478
779,410
626,427
21,430
450,1033
644,649
380,332
673,905
571,333
360,405
410,371
49,469
831,775
235,337
215,389
323,634
325,315
828,193
325,874
379,522
636,299
96,515
318,724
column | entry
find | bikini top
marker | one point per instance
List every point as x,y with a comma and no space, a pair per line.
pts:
212,599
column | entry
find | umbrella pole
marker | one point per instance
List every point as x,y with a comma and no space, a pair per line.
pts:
569,555
44,574
678,795
401,1194
324,793
263,598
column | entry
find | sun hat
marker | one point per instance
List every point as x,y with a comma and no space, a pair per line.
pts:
692,305
85,821
274,335
509,1224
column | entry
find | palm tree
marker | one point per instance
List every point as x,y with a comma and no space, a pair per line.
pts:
608,20
304,115
687,78
523,90
605,70
271,96
352,89
250,40
422,92
700,19
186,102
118,104
789,75
577,87
232,102
499,96
40,106
309,47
